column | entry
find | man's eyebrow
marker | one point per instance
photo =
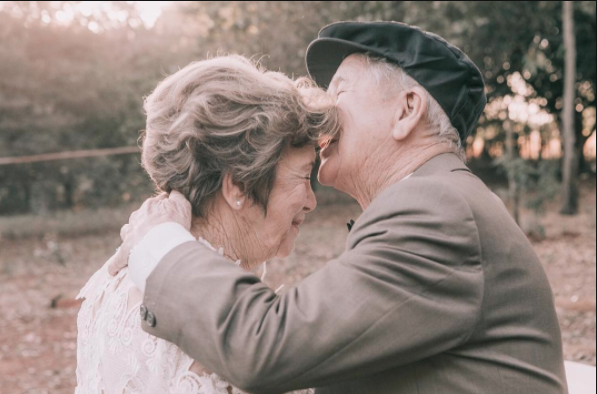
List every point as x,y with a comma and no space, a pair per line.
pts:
340,79
336,81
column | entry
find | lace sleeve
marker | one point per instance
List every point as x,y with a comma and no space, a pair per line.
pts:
114,355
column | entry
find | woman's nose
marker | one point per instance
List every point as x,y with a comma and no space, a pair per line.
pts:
311,202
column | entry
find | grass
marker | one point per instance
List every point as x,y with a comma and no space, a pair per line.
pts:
94,221
65,223
38,273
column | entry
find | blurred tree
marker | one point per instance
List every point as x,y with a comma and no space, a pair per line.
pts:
512,163
523,56
69,88
532,183
511,42
73,74
570,192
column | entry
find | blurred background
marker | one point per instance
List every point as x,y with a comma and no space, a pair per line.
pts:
73,75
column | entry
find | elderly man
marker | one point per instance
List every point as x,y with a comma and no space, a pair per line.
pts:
438,290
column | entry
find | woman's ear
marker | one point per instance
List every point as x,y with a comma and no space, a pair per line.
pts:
410,111
232,193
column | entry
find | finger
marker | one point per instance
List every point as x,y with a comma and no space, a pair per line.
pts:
158,200
180,200
135,215
120,258
147,206
181,207
125,231
154,203
115,263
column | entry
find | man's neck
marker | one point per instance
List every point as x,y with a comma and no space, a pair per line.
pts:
373,181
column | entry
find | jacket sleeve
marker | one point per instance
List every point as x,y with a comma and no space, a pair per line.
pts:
410,285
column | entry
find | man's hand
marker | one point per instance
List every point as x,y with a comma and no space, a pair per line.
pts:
173,207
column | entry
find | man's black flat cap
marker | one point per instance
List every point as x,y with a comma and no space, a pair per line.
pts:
441,68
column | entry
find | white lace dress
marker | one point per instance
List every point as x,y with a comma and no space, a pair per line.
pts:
115,356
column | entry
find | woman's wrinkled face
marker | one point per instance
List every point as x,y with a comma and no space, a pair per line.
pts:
290,200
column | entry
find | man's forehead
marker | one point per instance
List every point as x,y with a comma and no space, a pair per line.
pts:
342,77
349,67
338,78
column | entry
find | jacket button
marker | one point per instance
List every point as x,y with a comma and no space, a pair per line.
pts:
143,312
151,322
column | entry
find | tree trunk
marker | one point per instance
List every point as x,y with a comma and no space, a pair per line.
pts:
584,166
569,181
69,193
26,206
513,186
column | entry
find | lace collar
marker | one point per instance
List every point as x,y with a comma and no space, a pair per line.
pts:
220,251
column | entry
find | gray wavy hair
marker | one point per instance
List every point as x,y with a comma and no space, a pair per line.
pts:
227,115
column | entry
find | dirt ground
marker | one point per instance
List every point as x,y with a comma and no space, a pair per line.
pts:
39,279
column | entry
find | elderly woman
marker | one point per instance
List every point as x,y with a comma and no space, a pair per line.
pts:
239,143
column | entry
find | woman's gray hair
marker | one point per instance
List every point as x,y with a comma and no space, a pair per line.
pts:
393,79
227,115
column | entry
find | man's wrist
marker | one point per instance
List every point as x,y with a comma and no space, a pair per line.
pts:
157,243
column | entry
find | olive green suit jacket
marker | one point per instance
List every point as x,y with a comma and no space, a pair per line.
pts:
438,291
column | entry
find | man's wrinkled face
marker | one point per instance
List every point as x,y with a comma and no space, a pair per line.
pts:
365,118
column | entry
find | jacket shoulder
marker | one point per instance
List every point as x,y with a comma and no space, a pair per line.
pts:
438,196
421,215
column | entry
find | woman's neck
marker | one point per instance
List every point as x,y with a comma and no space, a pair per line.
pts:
218,236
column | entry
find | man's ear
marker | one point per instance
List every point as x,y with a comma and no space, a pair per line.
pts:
232,193
410,111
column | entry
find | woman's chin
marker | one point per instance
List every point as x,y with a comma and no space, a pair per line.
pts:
284,253
287,246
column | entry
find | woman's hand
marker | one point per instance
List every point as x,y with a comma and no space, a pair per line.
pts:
164,208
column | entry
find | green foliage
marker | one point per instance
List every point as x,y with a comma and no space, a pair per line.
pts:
538,179
544,180
67,88
64,223
536,184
